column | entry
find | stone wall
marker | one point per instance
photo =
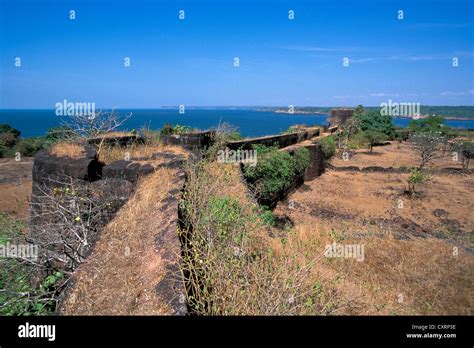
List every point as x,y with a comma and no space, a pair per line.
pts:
316,167
281,140
190,141
339,116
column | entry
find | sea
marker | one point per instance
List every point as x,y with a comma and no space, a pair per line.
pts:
251,123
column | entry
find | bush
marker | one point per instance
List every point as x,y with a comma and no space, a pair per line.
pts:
416,177
5,128
17,297
174,130
373,138
30,146
402,134
430,124
375,121
275,169
58,134
328,145
8,140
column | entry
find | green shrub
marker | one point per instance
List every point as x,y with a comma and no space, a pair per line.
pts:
275,169
430,124
174,130
30,146
290,130
224,214
8,140
402,134
372,138
301,160
328,145
266,216
9,136
416,177
375,121
57,134
17,297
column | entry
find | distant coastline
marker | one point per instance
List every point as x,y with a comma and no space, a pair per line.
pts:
314,112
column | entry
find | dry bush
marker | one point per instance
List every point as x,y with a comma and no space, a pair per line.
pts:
67,220
120,276
228,265
65,149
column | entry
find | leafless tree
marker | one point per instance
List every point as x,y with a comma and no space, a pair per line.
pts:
95,125
429,145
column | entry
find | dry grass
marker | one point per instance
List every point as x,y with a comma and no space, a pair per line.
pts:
394,155
410,275
114,134
65,149
112,282
111,154
397,277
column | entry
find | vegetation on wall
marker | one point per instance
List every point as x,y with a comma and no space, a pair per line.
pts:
275,169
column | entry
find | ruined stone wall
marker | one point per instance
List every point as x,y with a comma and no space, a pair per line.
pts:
190,141
281,141
316,167
63,186
340,116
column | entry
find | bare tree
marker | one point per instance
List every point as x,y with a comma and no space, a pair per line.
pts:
429,145
95,125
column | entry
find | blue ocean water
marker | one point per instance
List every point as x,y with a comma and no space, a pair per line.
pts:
251,123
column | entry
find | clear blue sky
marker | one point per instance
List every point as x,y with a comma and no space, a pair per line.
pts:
190,62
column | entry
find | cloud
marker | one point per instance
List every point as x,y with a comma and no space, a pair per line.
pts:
381,94
454,94
361,60
317,49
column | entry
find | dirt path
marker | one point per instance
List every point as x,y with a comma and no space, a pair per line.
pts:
15,186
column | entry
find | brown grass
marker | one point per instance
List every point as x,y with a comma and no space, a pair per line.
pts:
397,277
394,155
411,275
65,149
111,154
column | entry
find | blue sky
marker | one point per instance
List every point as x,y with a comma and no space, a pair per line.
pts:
191,61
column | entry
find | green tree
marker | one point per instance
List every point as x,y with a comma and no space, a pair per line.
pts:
430,124
9,136
373,138
358,111
374,121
